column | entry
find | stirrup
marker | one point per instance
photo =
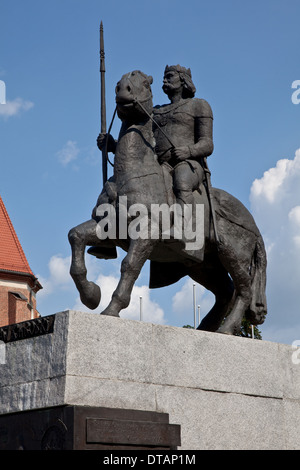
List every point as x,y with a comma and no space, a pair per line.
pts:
103,252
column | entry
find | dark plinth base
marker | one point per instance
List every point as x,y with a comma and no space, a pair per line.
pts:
87,428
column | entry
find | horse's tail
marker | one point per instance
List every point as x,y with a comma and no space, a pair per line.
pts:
258,307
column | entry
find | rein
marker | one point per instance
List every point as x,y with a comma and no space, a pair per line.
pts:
154,122
139,102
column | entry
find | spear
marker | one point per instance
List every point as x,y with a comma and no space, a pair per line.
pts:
103,104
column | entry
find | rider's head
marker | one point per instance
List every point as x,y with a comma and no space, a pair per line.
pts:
175,76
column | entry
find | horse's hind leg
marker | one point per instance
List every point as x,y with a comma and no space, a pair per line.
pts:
139,251
242,298
79,237
219,283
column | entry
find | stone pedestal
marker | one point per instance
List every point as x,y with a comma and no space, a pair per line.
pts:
224,392
87,428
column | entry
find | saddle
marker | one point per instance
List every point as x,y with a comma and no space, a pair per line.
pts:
170,244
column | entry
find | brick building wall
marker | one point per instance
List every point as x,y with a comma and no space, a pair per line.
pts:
17,302
18,285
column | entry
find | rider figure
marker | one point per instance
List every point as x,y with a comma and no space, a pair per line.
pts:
189,123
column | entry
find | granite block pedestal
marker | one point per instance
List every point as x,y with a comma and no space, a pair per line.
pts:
208,391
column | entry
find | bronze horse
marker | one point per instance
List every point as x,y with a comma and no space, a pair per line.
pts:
233,267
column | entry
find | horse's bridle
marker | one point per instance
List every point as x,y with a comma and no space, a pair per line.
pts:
139,102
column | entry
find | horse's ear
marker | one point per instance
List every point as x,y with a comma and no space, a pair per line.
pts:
150,79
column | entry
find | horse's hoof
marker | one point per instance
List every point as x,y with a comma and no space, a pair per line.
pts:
110,312
91,296
225,331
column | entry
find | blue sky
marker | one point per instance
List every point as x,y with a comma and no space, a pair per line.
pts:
244,57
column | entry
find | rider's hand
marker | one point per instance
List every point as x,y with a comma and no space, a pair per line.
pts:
101,142
180,153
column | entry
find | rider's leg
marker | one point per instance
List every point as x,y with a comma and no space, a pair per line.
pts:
187,178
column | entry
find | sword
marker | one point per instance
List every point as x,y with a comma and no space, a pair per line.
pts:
103,104
210,199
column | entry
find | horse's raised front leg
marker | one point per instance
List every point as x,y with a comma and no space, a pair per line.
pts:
139,251
79,237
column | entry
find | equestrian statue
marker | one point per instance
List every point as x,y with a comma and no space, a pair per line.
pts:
160,162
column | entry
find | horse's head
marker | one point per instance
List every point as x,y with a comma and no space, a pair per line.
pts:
134,96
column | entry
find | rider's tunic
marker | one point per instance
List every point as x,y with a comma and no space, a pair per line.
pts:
187,123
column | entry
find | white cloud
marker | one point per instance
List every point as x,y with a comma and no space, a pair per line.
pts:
59,276
270,184
68,153
294,216
59,269
183,302
151,311
277,183
275,202
15,107
183,299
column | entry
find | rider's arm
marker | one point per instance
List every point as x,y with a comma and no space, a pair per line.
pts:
203,146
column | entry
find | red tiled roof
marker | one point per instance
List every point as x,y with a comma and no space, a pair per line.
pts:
12,257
